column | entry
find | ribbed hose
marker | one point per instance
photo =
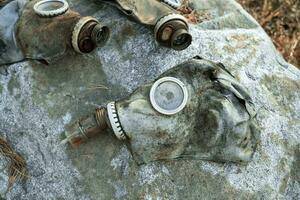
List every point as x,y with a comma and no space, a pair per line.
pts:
87,127
102,118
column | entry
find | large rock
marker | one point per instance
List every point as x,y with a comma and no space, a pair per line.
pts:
37,101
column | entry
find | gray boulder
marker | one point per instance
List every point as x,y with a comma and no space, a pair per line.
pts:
37,101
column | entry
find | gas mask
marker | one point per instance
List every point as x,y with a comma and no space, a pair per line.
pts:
170,28
47,30
196,110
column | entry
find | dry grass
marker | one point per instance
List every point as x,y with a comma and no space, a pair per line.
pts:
281,20
17,167
193,16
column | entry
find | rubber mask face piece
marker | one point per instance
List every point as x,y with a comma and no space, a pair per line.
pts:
215,123
170,28
48,30
196,110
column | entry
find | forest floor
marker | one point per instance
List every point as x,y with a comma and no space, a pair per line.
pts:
281,20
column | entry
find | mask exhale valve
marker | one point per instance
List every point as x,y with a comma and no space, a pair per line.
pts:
88,34
172,31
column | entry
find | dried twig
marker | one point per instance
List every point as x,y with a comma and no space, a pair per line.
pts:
294,46
270,16
94,87
193,16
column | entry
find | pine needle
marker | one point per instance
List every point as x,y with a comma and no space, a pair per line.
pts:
101,87
17,167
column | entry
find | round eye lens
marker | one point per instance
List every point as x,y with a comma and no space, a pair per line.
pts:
168,95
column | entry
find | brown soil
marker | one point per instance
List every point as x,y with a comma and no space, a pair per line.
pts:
281,20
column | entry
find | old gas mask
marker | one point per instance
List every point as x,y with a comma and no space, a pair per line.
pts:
170,28
47,30
196,110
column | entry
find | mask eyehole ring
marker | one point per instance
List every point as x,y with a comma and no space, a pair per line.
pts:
44,8
155,102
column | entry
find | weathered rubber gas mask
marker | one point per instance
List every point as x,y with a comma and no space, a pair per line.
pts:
170,28
196,110
47,30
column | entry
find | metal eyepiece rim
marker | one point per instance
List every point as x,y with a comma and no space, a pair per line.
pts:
50,13
167,18
154,103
